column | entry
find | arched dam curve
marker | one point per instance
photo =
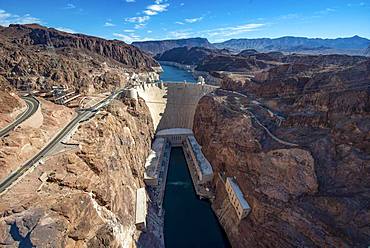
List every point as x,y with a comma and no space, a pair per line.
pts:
172,105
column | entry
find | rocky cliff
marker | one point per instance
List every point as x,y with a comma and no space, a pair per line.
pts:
37,57
298,145
84,195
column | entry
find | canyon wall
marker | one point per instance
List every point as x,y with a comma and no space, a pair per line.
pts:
310,192
83,195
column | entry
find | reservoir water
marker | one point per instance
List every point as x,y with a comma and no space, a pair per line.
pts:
174,74
189,221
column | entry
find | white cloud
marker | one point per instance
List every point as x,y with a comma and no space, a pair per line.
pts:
180,34
158,7
70,6
109,24
67,30
289,16
130,1
138,19
325,11
7,18
150,12
361,4
180,23
140,25
193,20
234,30
129,31
216,34
129,38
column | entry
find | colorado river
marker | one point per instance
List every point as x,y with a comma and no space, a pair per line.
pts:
173,74
189,221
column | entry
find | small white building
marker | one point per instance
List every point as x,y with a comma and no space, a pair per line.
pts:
141,209
153,162
237,199
202,165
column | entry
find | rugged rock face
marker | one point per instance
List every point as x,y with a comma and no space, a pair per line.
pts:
38,57
157,47
306,181
88,198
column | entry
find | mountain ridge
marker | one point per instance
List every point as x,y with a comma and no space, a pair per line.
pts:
354,45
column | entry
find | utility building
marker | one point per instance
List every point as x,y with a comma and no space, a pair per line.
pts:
202,166
153,162
237,199
141,209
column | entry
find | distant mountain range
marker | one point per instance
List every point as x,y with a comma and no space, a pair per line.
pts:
353,45
160,46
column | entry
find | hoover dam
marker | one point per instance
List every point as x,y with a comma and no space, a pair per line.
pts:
188,220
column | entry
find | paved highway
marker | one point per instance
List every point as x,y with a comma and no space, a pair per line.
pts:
82,115
32,106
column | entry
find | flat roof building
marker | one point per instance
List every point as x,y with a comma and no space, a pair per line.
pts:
141,209
202,165
153,162
237,199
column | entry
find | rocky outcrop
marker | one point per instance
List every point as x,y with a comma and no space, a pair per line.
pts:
309,192
37,57
87,197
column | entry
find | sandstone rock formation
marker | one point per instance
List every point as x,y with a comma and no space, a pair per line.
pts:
312,191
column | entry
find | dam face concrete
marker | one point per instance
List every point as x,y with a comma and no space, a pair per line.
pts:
172,105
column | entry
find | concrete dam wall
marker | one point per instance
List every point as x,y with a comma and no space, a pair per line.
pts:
172,105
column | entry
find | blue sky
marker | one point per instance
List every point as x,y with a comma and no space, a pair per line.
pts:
217,20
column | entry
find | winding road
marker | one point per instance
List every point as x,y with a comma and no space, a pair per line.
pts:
32,106
253,116
83,115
